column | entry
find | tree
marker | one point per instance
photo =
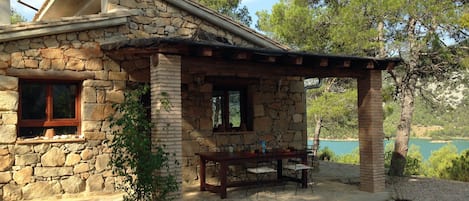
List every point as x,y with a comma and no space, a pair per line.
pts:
460,167
417,31
230,8
16,17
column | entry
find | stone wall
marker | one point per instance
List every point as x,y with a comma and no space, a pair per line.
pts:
46,169
36,169
42,168
278,117
169,21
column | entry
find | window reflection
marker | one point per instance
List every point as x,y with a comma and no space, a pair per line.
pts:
33,101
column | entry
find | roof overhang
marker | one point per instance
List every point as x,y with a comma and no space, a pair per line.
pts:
296,63
227,23
64,25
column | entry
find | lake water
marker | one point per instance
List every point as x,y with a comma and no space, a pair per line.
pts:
426,146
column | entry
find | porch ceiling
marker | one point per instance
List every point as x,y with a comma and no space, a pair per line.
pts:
290,63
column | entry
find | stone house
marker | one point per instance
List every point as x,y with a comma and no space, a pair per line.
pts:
228,86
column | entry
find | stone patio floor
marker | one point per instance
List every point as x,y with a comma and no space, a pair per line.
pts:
334,182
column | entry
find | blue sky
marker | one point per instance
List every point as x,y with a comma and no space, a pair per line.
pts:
257,5
252,5
28,13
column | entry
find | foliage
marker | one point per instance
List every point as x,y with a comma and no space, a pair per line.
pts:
460,168
133,155
441,160
415,30
16,17
337,108
230,8
326,154
350,158
443,163
414,165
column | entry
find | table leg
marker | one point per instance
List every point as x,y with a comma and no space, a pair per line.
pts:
279,170
223,179
304,173
202,174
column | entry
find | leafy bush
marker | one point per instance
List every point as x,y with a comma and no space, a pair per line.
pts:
326,154
413,160
440,160
460,168
350,158
132,155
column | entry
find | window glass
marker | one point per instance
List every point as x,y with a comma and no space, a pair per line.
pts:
33,101
235,108
217,108
64,101
227,110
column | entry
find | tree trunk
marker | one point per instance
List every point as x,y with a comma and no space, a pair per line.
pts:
381,40
317,133
401,146
407,86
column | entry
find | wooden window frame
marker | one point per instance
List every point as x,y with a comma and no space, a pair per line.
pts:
225,110
50,121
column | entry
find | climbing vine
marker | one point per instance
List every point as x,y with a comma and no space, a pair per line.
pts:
133,156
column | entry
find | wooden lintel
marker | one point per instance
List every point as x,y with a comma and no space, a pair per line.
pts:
49,74
370,65
324,62
347,63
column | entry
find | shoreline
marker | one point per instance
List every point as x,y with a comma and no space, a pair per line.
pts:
433,140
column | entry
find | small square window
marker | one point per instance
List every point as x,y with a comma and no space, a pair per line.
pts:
229,109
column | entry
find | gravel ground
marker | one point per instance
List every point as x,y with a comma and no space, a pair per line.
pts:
425,189
400,188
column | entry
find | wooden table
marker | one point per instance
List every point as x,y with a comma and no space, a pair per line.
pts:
224,159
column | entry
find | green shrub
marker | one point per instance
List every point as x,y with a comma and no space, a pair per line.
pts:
326,154
460,168
440,160
413,160
132,156
350,158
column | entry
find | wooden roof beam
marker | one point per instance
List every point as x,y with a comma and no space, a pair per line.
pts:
265,58
292,59
324,62
347,63
240,55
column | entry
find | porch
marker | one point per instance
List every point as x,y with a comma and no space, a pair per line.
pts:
200,77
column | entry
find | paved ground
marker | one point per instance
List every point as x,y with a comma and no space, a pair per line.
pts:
334,182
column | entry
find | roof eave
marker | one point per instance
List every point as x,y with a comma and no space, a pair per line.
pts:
227,24
40,29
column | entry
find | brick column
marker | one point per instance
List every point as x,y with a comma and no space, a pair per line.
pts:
165,71
370,121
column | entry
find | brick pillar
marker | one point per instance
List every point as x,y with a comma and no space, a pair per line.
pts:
165,71
370,121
